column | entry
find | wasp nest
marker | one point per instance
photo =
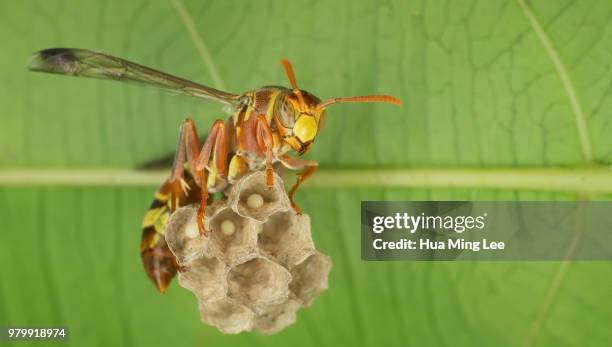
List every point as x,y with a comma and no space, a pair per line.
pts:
257,266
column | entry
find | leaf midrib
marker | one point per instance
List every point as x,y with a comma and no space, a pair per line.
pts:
583,180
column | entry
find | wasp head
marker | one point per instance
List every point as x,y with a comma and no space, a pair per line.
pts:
299,115
298,119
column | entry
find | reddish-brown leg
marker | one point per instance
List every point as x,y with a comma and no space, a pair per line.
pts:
298,164
189,145
216,144
263,134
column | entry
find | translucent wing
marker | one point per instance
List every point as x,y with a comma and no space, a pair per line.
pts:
83,62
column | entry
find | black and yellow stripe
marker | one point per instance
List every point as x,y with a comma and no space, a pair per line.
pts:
159,262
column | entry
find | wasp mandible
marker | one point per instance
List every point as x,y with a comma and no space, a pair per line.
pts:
265,126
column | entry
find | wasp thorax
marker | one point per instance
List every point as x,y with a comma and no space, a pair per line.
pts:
257,266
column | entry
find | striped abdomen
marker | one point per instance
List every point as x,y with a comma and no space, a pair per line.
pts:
159,262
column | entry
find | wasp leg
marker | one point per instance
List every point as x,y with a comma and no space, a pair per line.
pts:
298,164
162,162
189,143
216,144
178,190
263,134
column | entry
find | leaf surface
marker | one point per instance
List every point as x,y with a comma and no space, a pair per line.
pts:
479,89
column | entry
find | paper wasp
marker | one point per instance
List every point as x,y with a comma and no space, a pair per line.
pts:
266,124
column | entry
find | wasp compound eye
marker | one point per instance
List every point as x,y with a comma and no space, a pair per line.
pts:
286,112
258,265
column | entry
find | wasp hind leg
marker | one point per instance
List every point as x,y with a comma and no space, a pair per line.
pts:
188,145
180,189
215,145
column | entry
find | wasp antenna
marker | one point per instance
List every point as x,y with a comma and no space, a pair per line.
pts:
291,76
368,98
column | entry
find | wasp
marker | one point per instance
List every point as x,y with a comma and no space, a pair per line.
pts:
265,125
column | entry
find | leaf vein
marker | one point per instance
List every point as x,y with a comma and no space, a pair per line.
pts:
198,41
568,84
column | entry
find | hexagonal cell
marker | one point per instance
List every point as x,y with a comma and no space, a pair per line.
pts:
310,277
258,282
233,238
182,235
252,188
229,317
239,272
286,238
277,317
212,209
205,277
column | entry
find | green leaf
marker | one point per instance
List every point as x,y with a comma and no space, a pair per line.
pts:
486,85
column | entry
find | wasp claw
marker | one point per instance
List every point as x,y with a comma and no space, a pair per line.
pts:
296,208
201,227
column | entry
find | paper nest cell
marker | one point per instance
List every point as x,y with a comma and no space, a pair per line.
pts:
258,264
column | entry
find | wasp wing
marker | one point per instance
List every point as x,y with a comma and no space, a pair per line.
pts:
83,62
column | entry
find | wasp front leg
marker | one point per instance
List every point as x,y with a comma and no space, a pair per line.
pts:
263,134
308,166
215,144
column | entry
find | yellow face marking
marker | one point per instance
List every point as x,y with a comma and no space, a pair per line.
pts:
293,143
305,128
